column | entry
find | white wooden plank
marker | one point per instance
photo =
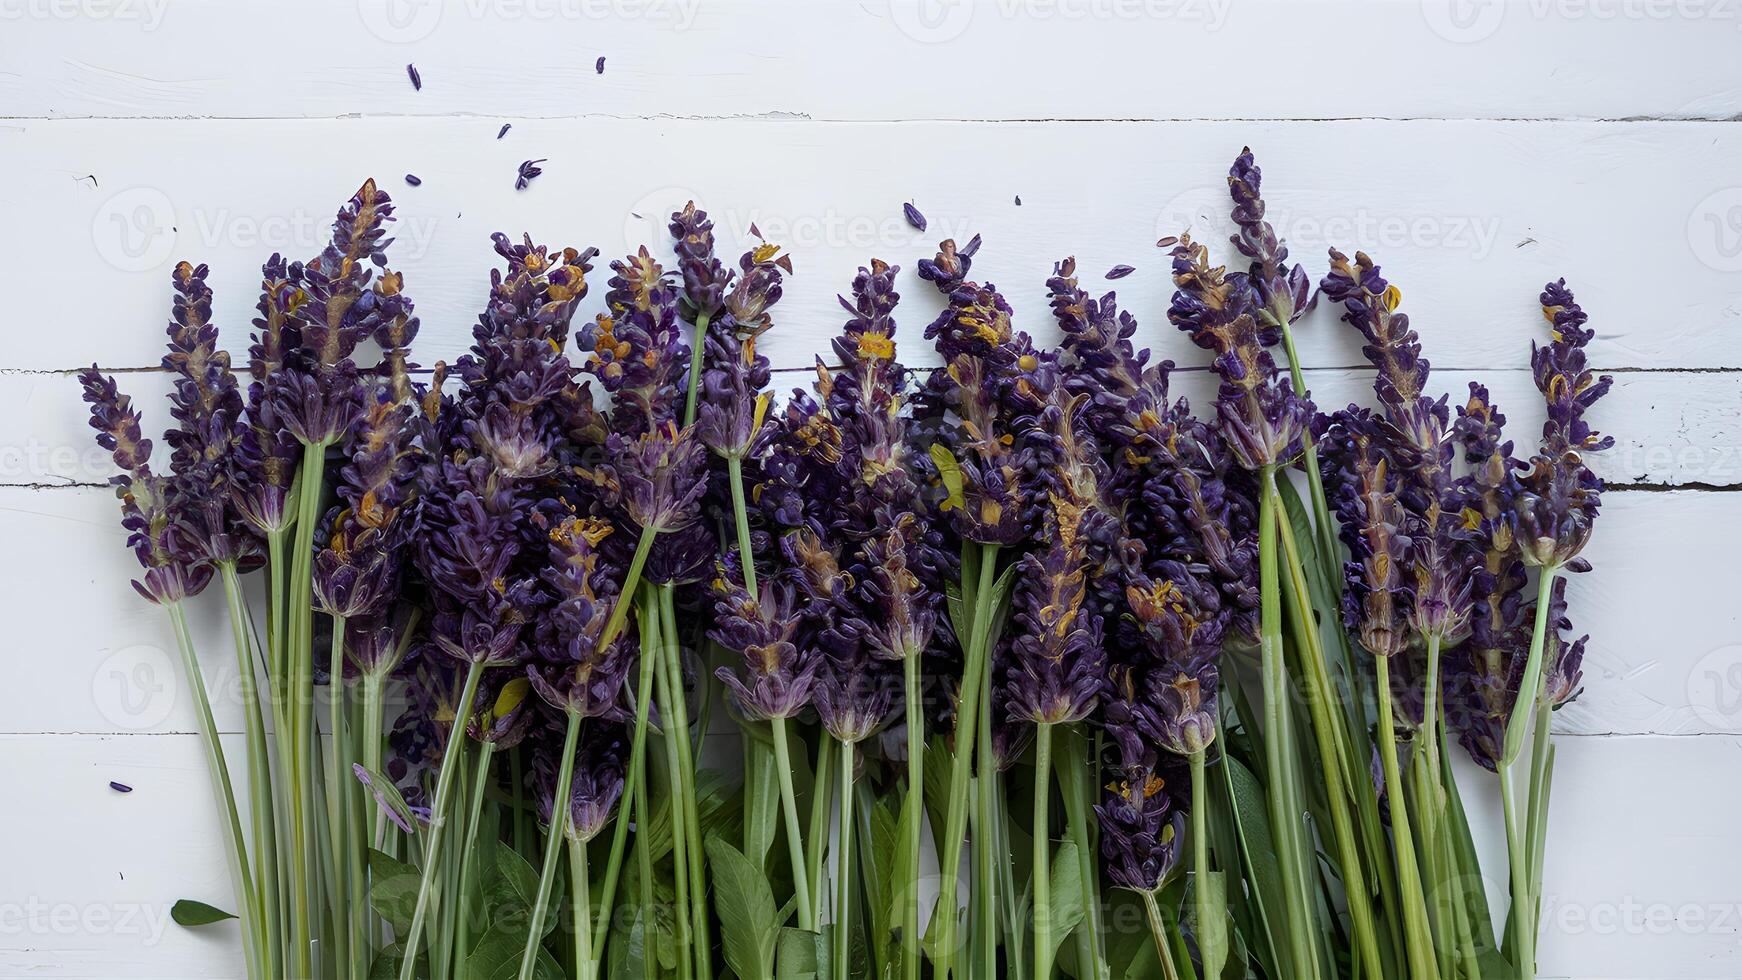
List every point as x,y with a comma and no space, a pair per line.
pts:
1469,219
1640,876
91,873
1671,428
885,59
1662,659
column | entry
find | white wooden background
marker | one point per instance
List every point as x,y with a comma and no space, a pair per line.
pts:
1477,148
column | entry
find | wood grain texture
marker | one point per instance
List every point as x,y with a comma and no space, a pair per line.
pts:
874,60
1469,219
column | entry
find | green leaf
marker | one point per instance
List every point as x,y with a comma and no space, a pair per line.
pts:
189,913
629,950
1067,893
802,955
511,889
393,890
497,956
761,813
744,902
387,963
1257,847
1213,934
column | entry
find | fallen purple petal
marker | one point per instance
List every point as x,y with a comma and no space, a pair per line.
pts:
913,216
414,180
599,66
1120,271
504,130
528,170
416,79
120,787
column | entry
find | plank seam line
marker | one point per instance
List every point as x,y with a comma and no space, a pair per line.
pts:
779,115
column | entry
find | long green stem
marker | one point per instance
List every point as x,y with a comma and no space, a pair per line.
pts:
579,885
1202,909
967,718
338,777
915,814
794,836
1332,742
1009,900
698,343
1418,937
983,899
1524,913
299,687
235,851
632,790
1073,767
553,846
817,831
692,826
438,819
1322,525
1285,810
676,785
741,520
1158,931
842,946
468,855
372,733
262,836
1043,945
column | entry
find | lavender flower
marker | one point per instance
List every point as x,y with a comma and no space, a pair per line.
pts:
1560,494
1282,291
1365,494
1058,662
577,672
777,672
1140,831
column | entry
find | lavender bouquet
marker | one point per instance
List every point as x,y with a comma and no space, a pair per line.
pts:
1028,605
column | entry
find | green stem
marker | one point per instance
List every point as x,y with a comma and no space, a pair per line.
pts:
983,899
692,827
794,839
1201,860
468,856
625,596
235,851
338,775
579,886
1285,810
553,846
1016,965
676,783
967,718
632,784
818,828
1333,744
844,868
915,806
262,836
299,688
698,343
373,682
1043,945
741,520
1158,932
1418,937
1322,525
1523,916
1073,766
438,820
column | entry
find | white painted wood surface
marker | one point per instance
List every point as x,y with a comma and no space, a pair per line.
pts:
1476,147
